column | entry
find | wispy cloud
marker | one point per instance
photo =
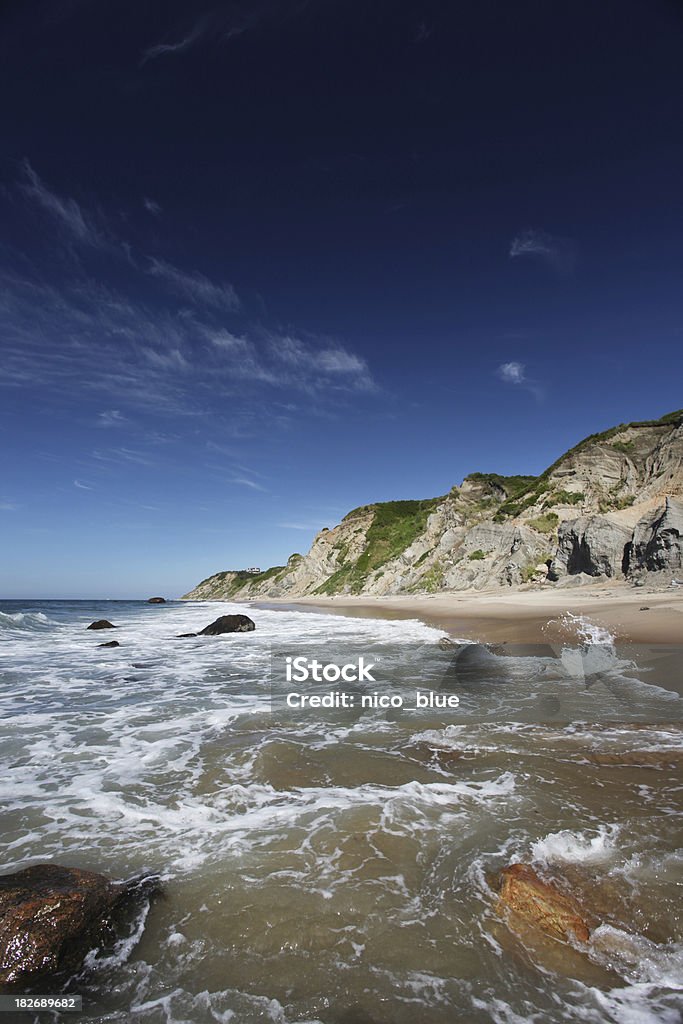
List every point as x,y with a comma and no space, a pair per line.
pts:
219,24
152,207
8,506
512,373
322,365
164,49
558,253
66,212
111,418
195,287
81,486
243,481
515,373
121,455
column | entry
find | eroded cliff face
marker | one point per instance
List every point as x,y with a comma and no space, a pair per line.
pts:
612,506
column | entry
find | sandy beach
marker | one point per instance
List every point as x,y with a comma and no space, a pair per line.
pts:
632,615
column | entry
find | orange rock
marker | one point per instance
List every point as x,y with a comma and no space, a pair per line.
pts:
523,894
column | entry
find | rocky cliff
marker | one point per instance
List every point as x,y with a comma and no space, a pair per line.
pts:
612,506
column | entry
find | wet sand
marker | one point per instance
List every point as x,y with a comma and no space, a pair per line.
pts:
632,615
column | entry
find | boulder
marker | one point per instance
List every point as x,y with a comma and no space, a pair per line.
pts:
657,543
156,600
526,896
52,916
475,665
102,624
229,624
590,544
112,643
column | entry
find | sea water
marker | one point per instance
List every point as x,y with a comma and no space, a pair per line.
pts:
322,867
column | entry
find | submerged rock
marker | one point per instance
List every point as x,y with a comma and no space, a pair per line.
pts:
229,624
102,624
474,665
112,643
52,916
524,895
156,600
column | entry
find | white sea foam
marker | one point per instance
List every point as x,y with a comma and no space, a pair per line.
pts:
637,958
162,754
585,847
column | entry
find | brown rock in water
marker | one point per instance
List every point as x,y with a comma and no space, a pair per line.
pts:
101,624
52,916
524,895
112,643
229,624
156,600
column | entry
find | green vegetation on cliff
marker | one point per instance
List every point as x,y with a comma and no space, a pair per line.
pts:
394,527
528,496
511,485
371,537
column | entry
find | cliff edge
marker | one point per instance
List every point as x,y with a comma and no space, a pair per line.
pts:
612,506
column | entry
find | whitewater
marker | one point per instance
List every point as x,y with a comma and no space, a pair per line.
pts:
320,867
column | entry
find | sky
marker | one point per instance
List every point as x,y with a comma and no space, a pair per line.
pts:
264,262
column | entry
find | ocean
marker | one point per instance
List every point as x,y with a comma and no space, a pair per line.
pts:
325,864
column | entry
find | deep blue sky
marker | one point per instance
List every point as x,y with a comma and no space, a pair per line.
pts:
263,262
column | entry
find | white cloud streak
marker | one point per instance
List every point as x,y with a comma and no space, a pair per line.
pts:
195,287
165,49
66,212
515,373
242,481
111,418
512,373
558,253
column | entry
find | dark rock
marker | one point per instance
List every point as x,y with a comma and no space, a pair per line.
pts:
645,608
525,896
229,624
112,643
184,636
52,916
156,600
102,624
475,665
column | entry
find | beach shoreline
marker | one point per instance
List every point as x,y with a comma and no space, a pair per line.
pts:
630,615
